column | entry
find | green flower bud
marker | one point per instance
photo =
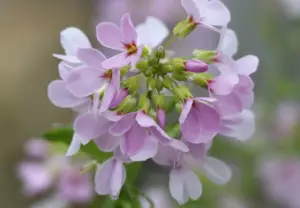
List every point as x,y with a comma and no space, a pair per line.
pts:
184,28
167,68
151,83
124,70
167,82
208,57
158,84
201,79
148,72
178,107
159,100
127,105
145,51
180,76
142,65
160,53
132,84
144,103
182,93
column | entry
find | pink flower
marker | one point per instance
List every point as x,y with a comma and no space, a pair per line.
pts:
74,186
199,120
110,177
207,13
122,39
195,66
183,182
38,148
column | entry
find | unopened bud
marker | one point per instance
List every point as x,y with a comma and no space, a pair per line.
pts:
119,97
167,68
195,66
182,93
144,103
151,83
145,51
132,84
124,70
180,76
201,79
158,84
161,117
208,57
167,82
184,28
148,72
178,107
127,105
142,65
160,53
159,100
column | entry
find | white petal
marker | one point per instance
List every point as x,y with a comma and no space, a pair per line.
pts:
247,64
148,150
229,42
176,186
72,39
217,171
192,184
74,146
156,28
216,14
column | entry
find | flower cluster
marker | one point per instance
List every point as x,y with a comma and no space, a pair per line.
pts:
124,101
46,169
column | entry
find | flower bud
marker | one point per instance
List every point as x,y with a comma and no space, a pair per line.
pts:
119,97
180,76
132,84
182,93
124,70
151,83
160,53
184,28
208,57
161,117
142,65
201,79
144,103
127,105
178,107
148,72
167,68
167,82
145,51
159,100
195,66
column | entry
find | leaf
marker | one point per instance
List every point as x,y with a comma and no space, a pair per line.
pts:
65,135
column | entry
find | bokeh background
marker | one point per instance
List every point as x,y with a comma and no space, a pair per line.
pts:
269,29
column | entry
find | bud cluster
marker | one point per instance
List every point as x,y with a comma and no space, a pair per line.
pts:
124,101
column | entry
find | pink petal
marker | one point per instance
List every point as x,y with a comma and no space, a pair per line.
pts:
185,110
198,151
144,120
148,150
118,178
229,104
176,186
165,155
116,61
179,145
108,142
123,125
229,42
245,85
191,9
92,57
161,117
103,177
223,84
217,171
60,96
84,81
134,140
247,99
160,134
217,14
89,126
110,35
128,30
192,184
247,65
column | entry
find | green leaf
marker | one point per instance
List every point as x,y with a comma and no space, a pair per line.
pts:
65,135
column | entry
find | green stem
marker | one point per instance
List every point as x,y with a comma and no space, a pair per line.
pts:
169,42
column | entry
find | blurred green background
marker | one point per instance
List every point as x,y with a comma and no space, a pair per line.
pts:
30,34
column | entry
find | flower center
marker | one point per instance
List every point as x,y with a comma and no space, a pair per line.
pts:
107,74
131,48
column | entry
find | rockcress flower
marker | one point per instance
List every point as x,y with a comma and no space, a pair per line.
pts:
131,95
